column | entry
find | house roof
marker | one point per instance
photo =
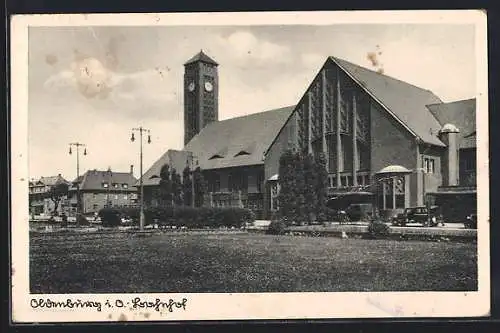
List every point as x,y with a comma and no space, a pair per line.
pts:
174,158
406,102
94,179
238,141
462,114
49,181
201,56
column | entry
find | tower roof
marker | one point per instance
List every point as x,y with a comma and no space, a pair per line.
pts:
201,57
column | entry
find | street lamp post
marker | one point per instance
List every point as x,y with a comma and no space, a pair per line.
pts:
77,145
141,130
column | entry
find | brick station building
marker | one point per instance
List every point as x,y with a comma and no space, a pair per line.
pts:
384,137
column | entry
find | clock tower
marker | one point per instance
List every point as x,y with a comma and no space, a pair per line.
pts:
201,93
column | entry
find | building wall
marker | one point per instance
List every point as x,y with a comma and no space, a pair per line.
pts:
94,201
287,139
433,179
391,144
468,167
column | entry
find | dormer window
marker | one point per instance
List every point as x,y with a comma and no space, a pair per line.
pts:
125,185
243,152
115,185
220,154
216,156
105,185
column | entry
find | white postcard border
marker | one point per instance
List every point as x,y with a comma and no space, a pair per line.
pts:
257,305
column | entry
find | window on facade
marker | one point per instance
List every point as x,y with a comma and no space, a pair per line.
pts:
388,201
125,185
115,185
230,182
125,197
400,201
105,185
343,181
116,196
429,165
94,196
217,184
470,163
95,206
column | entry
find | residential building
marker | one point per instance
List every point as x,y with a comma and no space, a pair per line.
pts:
99,189
39,201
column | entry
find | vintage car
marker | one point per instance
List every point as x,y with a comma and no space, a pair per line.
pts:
359,211
427,217
471,221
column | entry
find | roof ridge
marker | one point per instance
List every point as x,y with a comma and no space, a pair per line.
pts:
452,102
387,76
256,113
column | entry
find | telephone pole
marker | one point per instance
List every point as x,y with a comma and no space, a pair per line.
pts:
77,145
141,130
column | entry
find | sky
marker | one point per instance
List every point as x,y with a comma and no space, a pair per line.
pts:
94,84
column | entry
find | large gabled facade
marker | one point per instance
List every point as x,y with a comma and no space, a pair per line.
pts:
377,133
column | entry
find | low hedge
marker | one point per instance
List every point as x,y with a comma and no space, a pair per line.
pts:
182,216
378,229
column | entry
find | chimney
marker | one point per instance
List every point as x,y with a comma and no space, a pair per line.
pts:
132,169
449,135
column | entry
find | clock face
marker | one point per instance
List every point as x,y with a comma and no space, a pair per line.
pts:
191,86
208,86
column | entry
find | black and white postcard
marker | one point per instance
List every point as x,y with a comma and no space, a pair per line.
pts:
229,166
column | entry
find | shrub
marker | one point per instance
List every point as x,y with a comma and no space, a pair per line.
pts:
182,216
277,227
82,220
110,217
331,215
378,229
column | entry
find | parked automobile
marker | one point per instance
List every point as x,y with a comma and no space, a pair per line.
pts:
471,221
126,220
359,211
427,217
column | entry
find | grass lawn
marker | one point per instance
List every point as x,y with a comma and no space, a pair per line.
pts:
124,263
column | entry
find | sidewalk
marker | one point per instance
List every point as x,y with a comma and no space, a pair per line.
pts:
265,224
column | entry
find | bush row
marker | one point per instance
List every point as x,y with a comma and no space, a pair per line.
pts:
189,217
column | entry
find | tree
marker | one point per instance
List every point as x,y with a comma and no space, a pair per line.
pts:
165,184
176,188
56,193
286,181
301,208
309,187
321,186
200,187
187,186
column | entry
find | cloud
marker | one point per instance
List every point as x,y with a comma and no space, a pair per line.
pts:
146,93
246,47
313,60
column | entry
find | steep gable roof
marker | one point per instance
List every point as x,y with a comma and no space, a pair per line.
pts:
462,114
201,57
52,180
93,180
405,102
252,134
